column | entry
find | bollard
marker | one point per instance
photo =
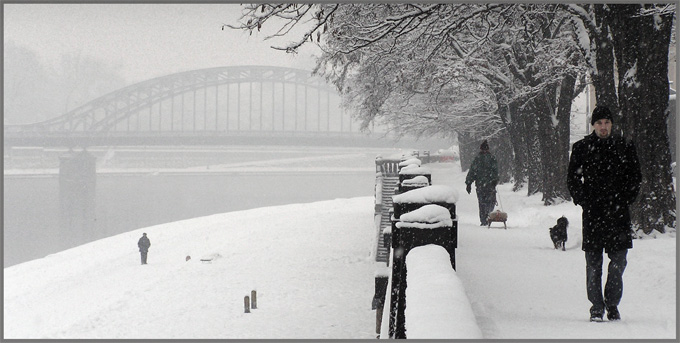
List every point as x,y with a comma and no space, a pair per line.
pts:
381,282
246,304
378,320
253,298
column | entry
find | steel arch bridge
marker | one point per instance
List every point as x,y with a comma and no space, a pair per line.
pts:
221,105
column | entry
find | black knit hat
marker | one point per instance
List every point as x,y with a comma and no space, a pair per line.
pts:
601,112
484,146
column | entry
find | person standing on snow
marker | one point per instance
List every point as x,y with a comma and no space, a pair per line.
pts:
144,245
604,178
484,172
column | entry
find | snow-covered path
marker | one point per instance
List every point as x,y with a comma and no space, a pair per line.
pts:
520,287
312,267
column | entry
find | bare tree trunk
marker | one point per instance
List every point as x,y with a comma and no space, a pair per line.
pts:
546,120
629,98
519,137
520,160
515,135
535,175
603,71
467,149
534,167
563,128
502,149
642,45
553,114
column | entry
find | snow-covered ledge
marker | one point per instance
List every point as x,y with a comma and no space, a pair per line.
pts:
419,180
414,169
429,194
437,306
409,161
427,217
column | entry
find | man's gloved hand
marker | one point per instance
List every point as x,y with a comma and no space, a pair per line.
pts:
468,188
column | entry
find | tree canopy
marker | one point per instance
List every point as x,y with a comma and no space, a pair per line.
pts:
503,72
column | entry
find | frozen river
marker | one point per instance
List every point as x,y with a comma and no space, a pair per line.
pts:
129,200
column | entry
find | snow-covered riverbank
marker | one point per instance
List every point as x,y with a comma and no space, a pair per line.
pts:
313,270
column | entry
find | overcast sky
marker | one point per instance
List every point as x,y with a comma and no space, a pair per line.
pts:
145,40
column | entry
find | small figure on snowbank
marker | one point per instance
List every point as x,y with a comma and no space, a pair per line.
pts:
484,173
604,178
144,243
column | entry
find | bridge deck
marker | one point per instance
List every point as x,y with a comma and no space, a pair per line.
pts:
87,139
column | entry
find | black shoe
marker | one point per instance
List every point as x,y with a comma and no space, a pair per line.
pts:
613,314
596,316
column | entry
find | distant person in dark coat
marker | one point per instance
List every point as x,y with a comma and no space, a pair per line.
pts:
144,245
604,178
484,173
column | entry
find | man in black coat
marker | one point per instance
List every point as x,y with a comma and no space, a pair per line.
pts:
144,245
604,178
484,173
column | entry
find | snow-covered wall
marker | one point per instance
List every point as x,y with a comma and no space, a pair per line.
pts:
436,304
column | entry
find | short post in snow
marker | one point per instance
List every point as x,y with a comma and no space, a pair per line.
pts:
381,282
246,304
253,299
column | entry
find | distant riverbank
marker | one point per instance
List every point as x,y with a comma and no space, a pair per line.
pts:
128,199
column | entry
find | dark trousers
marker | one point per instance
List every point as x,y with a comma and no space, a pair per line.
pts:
613,289
143,253
486,200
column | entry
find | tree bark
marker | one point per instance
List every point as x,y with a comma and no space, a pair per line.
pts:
642,43
626,36
535,168
566,96
467,150
602,73
502,149
548,147
513,122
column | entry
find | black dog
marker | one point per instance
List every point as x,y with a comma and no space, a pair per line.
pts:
558,233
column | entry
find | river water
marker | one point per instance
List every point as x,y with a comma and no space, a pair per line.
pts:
128,201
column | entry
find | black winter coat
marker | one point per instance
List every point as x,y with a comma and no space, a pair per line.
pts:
604,178
144,244
484,172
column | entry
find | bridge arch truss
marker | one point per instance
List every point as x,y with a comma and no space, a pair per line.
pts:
235,100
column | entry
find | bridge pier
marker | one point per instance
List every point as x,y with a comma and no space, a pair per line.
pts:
77,181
